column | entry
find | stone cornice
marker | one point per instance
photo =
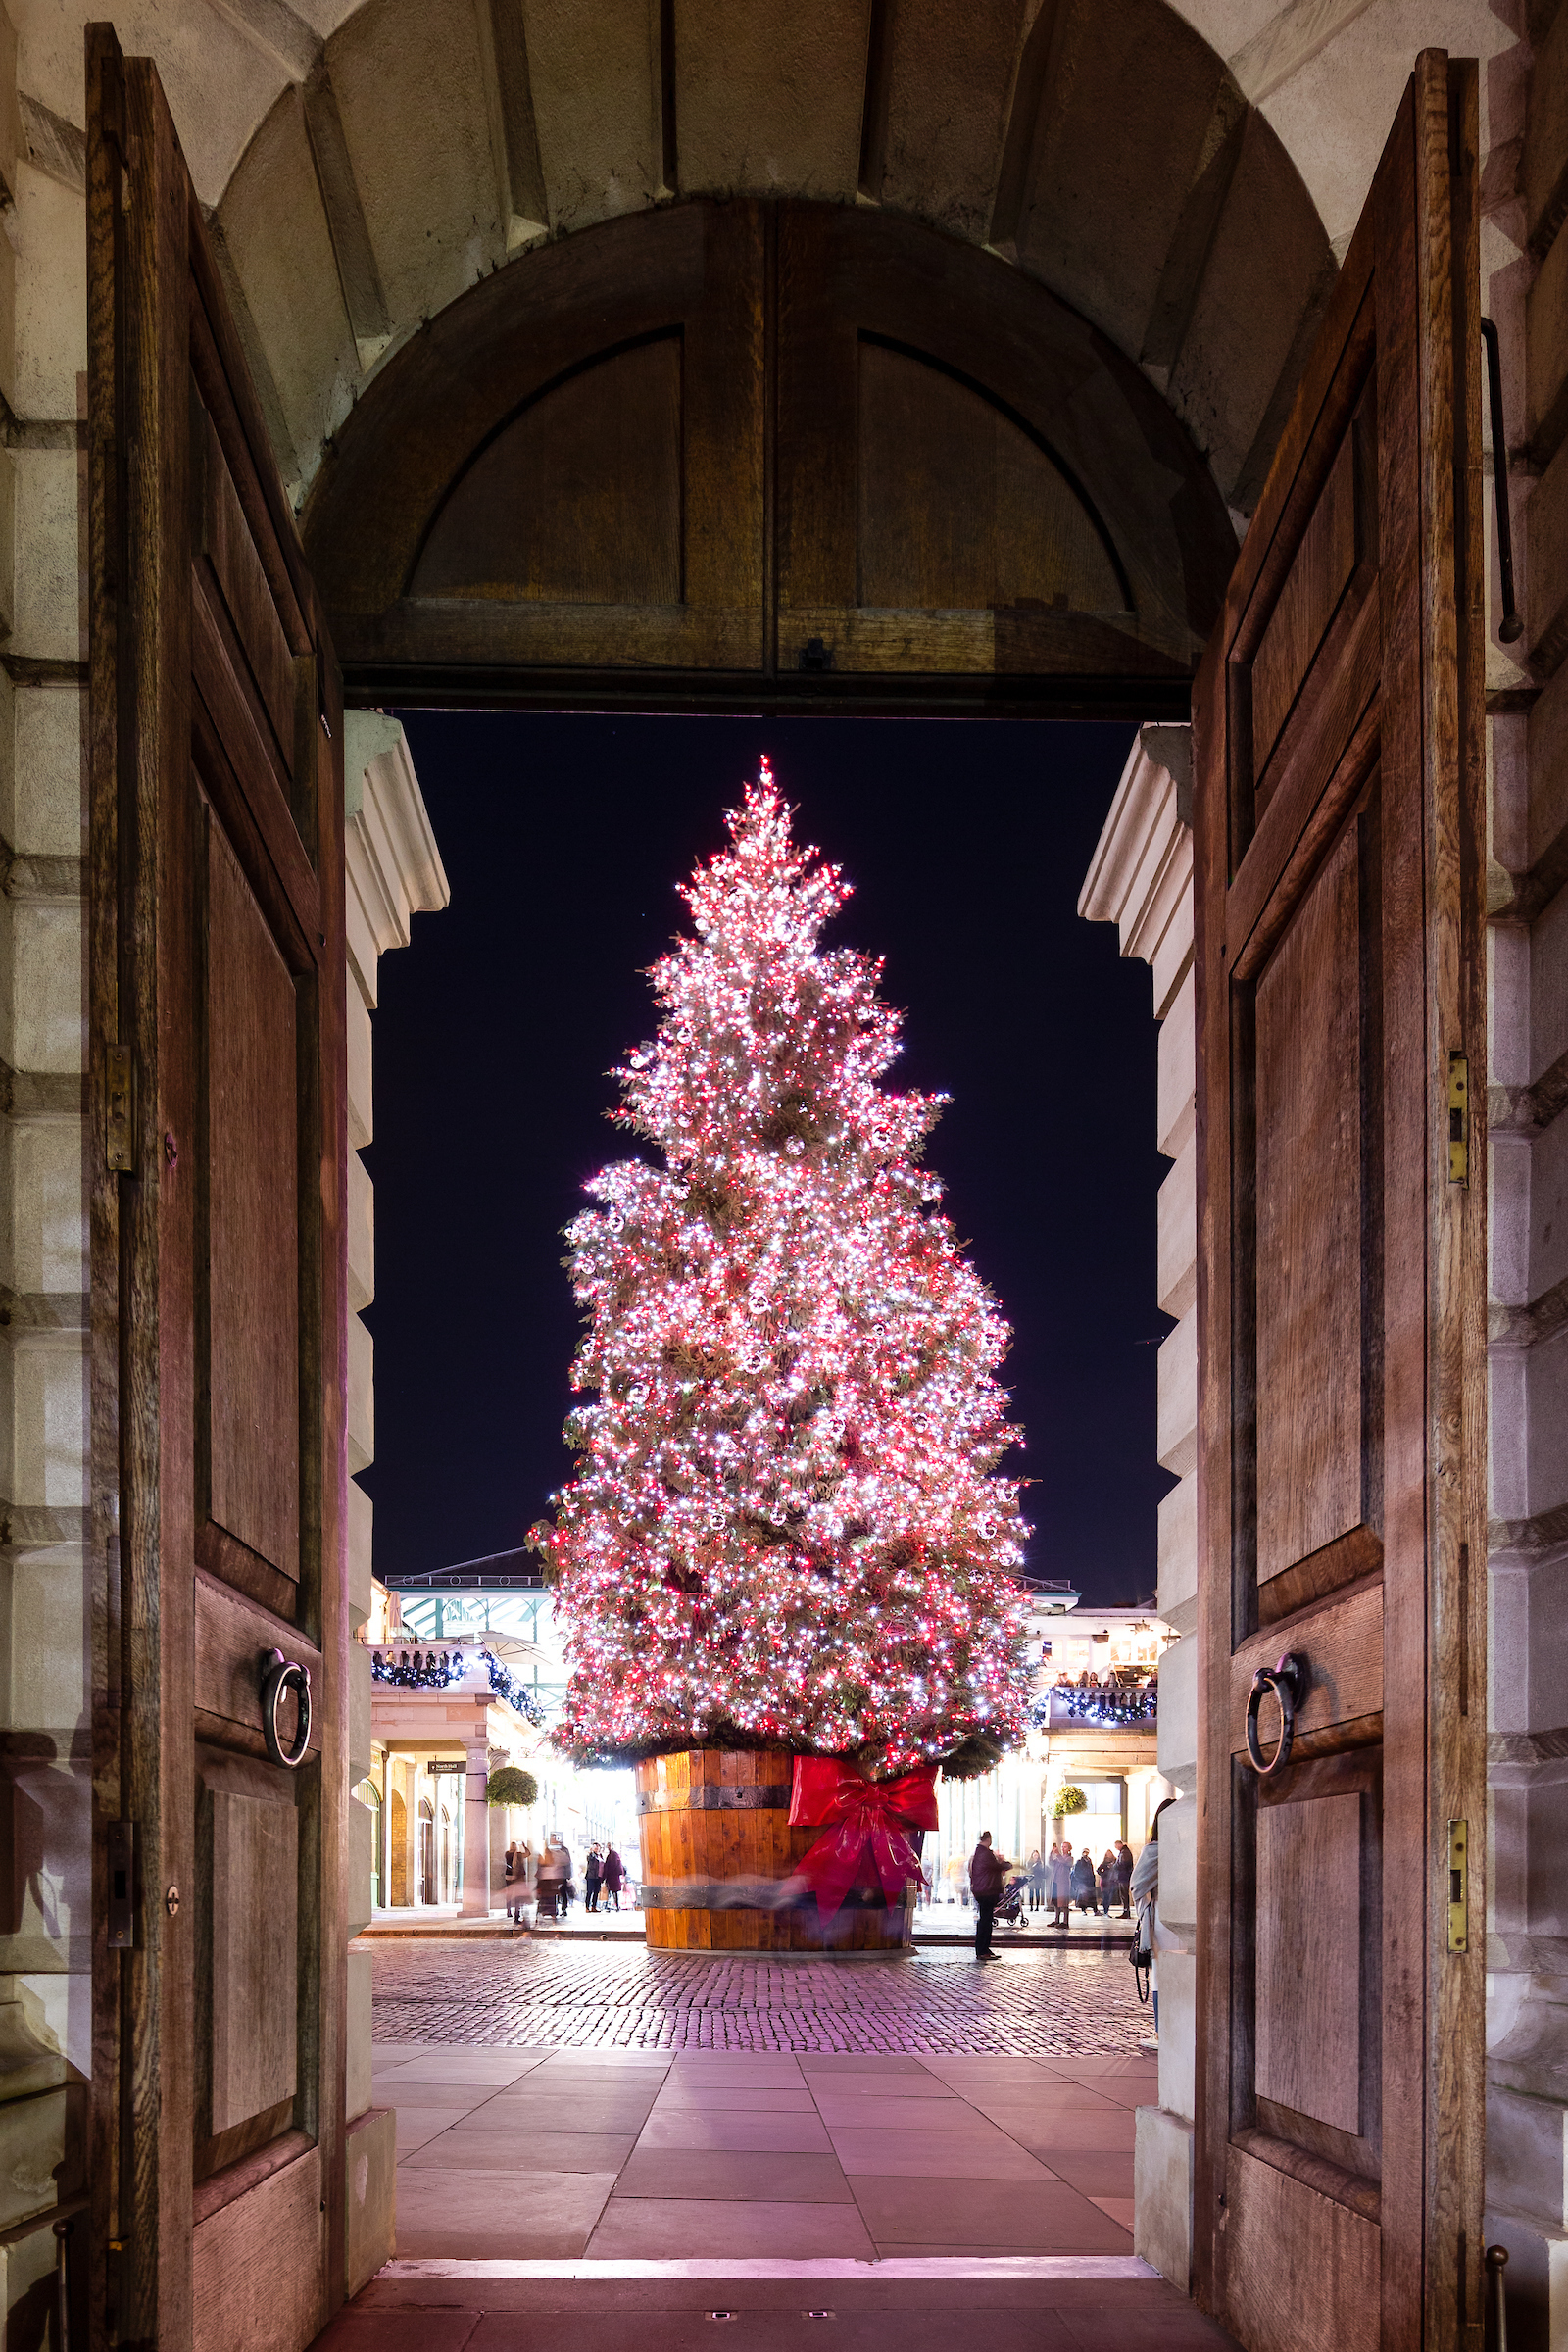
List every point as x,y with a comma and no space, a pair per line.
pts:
1140,878
394,867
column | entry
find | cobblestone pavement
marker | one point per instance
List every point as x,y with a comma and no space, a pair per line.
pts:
611,1996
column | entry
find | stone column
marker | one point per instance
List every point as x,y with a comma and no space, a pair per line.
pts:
1140,879
476,1832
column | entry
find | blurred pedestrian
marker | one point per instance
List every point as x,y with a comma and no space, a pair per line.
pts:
1060,1882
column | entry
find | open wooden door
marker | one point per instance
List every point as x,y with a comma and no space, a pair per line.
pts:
1341,1009
218,1309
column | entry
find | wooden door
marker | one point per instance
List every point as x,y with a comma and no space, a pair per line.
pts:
767,455
1340,1008
218,1310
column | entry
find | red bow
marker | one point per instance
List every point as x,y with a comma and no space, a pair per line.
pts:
861,1817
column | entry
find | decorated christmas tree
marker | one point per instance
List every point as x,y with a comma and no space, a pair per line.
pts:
786,1524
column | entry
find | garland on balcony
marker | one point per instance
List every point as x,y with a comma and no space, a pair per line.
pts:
1119,1707
428,1672
517,1694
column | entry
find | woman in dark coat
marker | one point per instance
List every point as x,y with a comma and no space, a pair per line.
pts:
1084,1883
614,1871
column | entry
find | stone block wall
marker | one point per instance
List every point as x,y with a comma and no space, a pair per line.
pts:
48,1542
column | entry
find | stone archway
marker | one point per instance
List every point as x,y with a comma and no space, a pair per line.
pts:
365,181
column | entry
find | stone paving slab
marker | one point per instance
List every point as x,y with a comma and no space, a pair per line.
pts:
1072,2004
601,2105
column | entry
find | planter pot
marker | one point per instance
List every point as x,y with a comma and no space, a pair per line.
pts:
718,1846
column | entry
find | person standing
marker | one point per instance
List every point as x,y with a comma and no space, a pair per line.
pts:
988,1875
1124,1873
614,1871
1083,1882
592,1874
1061,1883
1037,1882
1146,1896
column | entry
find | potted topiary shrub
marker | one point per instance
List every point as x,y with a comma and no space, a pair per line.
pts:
510,1785
1070,1799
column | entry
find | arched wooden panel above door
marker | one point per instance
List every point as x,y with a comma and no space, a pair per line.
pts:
767,453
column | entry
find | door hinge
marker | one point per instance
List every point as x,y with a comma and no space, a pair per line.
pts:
122,1886
1459,1119
1459,1886
119,1110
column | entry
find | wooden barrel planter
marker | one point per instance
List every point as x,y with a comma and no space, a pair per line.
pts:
716,1827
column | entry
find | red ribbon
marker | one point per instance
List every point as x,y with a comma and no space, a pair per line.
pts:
861,1819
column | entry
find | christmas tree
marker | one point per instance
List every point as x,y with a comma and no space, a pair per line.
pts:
787,1524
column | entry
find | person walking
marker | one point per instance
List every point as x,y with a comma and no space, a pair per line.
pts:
988,1875
1061,1883
613,1873
1124,1871
1084,1883
592,1875
1037,1881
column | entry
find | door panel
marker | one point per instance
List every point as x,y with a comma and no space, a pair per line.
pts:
959,506
949,497
579,501
250,1166
219,1292
1341,1301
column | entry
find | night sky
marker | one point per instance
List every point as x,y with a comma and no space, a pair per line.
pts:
563,837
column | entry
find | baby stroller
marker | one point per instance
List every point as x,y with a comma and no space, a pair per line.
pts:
1009,1911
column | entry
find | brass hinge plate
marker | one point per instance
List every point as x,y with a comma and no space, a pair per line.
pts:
1459,1886
1458,1118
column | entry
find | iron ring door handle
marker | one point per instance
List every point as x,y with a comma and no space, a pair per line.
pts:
1288,1683
282,1674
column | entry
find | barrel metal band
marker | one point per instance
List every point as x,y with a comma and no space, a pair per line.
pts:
744,1894
769,1796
